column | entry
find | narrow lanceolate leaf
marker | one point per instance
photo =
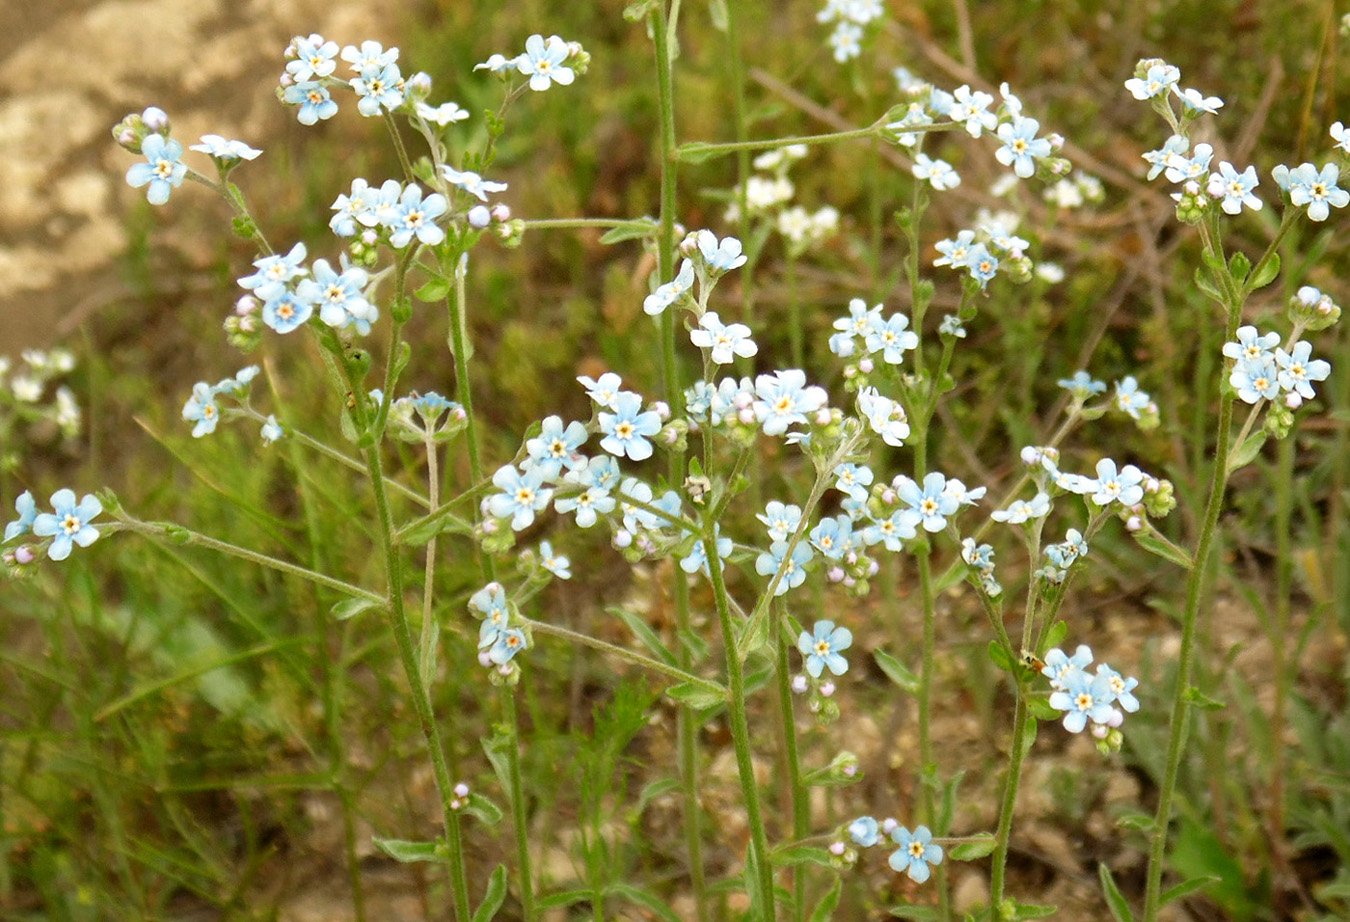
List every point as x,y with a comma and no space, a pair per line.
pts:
1155,543
409,852
897,671
1247,451
699,697
629,230
792,855
494,897
979,846
825,908
645,634
646,899
350,608
1115,900
1187,887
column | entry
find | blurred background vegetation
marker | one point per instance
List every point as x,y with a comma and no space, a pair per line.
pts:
183,737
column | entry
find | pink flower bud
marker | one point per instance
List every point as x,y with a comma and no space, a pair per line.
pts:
501,213
479,216
485,659
155,119
865,365
799,684
827,689
461,790
837,849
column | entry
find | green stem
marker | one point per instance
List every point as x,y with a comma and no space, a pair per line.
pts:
646,662
579,223
740,732
459,348
703,150
1284,565
1005,814
1194,585
797,804
518,817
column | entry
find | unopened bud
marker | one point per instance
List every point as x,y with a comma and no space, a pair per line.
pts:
480,216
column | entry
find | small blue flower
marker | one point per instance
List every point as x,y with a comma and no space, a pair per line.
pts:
442,115
1234,188
370,56
863,831
1298,370
981,556
1160,78
275,272
1252,345
341,298
588,503
671,291
1082,385
794,568
1021,148
833,537
916,852
892,530
315,102
1124,487
223,151
628,426
471,182
490,602
413,216
891,339
70,523
1195,102
822,648
556,564
522,495
1130,399
781,520
932,504
162,170
853,480
1159,159
1255,380
286,312
697,558
726,341
884,416
555,447
971,108
1196,166
271,430
1122,689
604,390
543,62
1059,666
720,256
1085,697
378,88
981,264
506,645
201,408
313,57
937,172
358,205
955,253
784,399
1020,510
1309,187
26,507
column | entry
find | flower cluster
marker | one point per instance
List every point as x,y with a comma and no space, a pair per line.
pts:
1098,698
26,401
1262,370
203,409
544,61
500,637
289,292
916,850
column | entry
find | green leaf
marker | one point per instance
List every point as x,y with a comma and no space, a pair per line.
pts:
696,645
1266,274
698,697
755,634
897,671
564,898
1196,698
948,809
409,852
629,230
1032,911
1029,735
1187,887
980,845
1001,657
1040,708
1055,636
1204,284
1115,900
954,575
350,608
646,899
493,898
1140,821
483,809
825,908
1213,260
434,290
1239,266
1247,451
637,11
1155,543
919,913
789,856
656,789
645,634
